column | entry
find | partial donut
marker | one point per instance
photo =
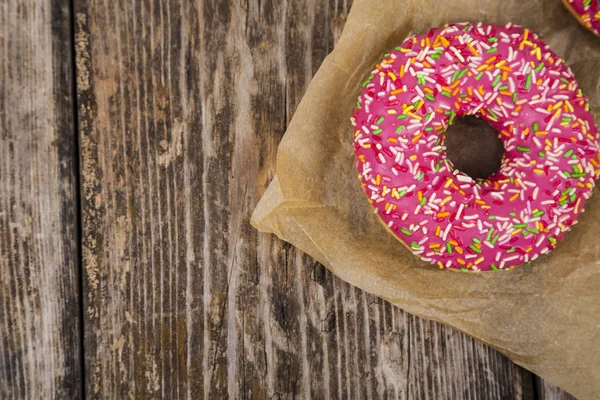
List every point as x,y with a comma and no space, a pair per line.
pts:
587,12
508,77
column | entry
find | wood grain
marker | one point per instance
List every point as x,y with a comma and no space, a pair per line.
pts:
39,262
181,106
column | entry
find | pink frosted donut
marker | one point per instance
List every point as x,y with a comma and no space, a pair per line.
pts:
587,13
510,78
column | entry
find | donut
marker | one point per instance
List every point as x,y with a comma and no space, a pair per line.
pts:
587,13
508,77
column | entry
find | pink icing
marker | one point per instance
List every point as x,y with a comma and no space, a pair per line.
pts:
588,12
510,78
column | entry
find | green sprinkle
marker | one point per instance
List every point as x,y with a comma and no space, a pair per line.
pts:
399,129
552,239
573,197
511,250
380,120
420,177
524,233
448,248
462,96
398,48
495,239
479,75
447,94
429,97
421,79
566,191
464,270
358,105
386,55
523,149
452,117
435,56
528,82
489,234
455,75
580,175
402,116
492,50
541,154
533,230
406,231
515,97
402,193
568,153
415,245
539,67
494,268
423,201
538,214
512,214
365,83
427,116
564,80
416,103
492,39
429,129
565,119
491,217
519,226
475,249
493,114
575,170
535,126
496,81
462,73
567,174
377,131
503,88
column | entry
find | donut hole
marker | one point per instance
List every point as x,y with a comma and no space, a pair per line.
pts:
474,147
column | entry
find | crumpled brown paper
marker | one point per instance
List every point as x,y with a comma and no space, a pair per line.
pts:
545,316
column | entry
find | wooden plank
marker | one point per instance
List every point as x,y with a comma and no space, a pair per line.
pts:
182,105
547,391
39,306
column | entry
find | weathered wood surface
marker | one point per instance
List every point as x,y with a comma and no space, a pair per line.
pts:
39,261
181,106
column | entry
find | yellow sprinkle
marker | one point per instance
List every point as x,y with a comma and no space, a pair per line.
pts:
445,200
420,195
416,138
414,116
516,232
413,157
392,111
448,183
479,260
538,171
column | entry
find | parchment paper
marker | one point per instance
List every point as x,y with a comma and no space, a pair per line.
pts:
546,316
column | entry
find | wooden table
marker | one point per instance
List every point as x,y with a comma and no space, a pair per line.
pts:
136,139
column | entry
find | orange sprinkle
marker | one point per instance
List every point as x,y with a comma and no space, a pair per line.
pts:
437,230
394,92
460,261
459,250
514,197
416,138
443,214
